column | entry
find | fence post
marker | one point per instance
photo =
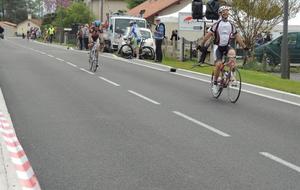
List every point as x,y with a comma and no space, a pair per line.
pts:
65,38
191,50
182,49
174,42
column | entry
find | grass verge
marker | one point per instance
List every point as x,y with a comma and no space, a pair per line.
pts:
268,80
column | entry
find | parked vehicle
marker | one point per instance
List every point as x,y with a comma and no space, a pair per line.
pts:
118,25
146,35
271,51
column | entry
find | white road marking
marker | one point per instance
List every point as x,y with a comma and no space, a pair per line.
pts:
202,124
143,97
59,59
132,62
69,63
50,55
109,81
281,161
273,98
87,71
250,92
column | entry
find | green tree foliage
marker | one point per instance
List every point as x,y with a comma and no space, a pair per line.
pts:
76,13
17,11
134,3
259,16
13,10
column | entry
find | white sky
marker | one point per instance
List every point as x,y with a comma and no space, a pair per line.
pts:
188,8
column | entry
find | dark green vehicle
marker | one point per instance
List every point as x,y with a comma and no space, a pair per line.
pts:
271,51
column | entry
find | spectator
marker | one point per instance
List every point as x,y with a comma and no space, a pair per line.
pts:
51,31
159,35
267,38
174,35
259,40
80,37
85,32
1,32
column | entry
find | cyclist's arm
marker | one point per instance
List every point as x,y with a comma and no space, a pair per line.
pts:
240,40
206,37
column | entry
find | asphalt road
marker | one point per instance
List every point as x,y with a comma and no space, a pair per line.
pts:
130,127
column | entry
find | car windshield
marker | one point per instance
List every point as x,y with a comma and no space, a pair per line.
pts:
145,34
122,24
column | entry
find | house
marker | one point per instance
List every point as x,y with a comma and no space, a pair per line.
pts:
159,8
156,8
102,7
25,26
10,29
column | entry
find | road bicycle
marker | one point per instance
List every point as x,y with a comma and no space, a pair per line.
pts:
230,79
127,50
93,58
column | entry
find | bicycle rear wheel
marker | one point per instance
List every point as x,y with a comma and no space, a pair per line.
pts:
126,51
234,86
219,92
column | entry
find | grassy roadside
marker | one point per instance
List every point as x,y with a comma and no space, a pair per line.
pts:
253,77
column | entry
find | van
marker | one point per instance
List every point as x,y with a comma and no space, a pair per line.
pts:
118,25
271,51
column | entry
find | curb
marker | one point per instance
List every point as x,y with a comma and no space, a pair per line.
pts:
18,173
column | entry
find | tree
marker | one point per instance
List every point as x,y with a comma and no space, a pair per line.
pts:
259,16
70,15
52,5
134,3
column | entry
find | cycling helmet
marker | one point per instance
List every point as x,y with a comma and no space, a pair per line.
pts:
222,8
132,22
97,23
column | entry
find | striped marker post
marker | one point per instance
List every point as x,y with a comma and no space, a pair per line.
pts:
25,174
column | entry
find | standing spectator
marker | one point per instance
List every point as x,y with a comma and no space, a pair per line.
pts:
1,32
267,38
85,32
80,37
159,35
51,31
174,35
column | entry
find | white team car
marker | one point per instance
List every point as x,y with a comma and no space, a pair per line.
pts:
146,35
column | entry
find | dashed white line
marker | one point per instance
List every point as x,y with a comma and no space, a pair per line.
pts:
202,124
281,161
109,81
59,59
50,55
144,97
87,71
69,63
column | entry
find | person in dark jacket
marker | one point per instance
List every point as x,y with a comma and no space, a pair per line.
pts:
159,35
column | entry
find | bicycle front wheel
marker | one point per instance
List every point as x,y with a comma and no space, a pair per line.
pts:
234,86
95,63
90,60
126,51
147,53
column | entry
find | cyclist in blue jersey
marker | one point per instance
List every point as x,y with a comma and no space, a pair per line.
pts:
135,36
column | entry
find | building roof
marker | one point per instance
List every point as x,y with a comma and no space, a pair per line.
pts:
152,7
7,23
37,22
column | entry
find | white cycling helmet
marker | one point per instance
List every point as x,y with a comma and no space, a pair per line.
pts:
222,8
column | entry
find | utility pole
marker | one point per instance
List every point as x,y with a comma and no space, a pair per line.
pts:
285,65
101,10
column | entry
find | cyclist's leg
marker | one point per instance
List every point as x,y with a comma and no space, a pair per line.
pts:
218,64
